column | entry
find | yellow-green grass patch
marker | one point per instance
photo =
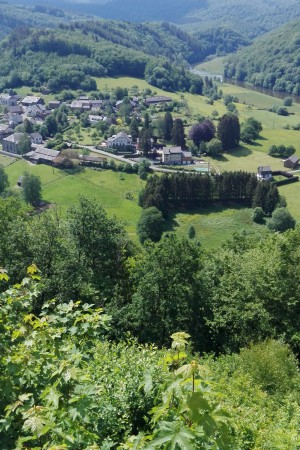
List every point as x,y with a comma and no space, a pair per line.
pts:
217,224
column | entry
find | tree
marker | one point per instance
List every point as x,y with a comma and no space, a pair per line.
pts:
145,141
214,147
24,144
51,125
288,101
167,126
202,132
134,128
191,232
178,136
258,215
169,293
150,225
27,126
100,248
3,180
229,131
281,220
250,130
32,189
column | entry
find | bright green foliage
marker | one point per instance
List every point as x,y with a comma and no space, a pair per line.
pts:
61,383
190,415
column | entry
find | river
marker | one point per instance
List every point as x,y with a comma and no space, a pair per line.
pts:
270,92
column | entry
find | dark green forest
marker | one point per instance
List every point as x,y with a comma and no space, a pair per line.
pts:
273,61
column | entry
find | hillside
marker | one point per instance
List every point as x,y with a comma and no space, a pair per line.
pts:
272,62
63,57
14,16
249,18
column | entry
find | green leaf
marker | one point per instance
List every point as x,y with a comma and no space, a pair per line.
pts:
174,436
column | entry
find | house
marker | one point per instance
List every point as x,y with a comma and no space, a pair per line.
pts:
157,99
10,144
292,162
171,155
14,120
30,100
42,155
95,119
187,157
81,105
36,138
264,173
36,111
120,139
8,100
54,104
15,109
5,130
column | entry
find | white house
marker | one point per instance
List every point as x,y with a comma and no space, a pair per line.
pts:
264,173
8,100
120,139
171,155
36,138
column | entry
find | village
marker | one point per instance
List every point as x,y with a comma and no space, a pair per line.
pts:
46,133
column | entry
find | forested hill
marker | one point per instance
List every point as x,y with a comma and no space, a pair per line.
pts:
13,16
251,18
66,57
272,62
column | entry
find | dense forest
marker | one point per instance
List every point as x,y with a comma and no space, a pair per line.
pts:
273,61
76,376
14,16
69,56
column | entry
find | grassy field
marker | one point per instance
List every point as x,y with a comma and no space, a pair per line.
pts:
215,66
107,187
214,226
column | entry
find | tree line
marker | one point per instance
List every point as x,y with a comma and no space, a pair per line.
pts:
181,190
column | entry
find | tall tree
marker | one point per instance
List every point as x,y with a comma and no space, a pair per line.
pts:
178,136
134,128
229,131
145,141
32,189
150,225
3,180
169,293
167,126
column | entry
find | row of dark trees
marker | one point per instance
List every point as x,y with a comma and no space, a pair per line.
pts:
182,190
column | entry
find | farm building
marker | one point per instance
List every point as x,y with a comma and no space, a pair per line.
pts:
292,162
